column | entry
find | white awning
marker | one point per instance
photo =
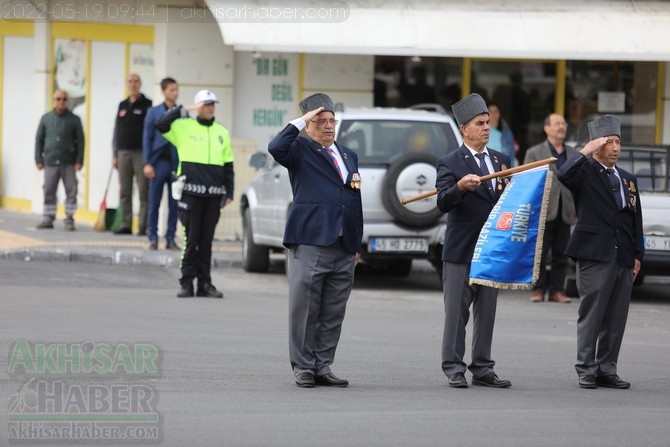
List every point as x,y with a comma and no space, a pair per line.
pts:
574,29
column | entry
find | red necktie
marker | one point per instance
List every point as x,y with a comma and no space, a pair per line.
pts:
335,163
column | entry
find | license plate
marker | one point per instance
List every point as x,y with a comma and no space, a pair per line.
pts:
657,243
398,244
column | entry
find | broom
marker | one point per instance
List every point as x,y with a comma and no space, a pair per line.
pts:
101,224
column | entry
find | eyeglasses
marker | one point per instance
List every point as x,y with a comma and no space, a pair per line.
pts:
323,122
60,99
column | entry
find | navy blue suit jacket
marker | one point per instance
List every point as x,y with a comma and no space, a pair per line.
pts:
153,141
322,205
601,226
466,213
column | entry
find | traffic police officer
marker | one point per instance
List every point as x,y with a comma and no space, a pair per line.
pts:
206,163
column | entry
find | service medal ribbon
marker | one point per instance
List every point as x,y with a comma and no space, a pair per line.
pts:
355,180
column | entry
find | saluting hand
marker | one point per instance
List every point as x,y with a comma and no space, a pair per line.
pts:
309,116
593,146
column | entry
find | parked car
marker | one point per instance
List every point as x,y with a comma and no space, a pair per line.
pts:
397,152
650,164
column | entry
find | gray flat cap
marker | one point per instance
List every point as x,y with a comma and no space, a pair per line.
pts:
604,127
315,101
469,107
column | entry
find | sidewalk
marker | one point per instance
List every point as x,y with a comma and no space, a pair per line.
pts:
19,239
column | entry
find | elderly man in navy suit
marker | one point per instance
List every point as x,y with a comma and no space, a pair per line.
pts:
608,246
323,235
468,202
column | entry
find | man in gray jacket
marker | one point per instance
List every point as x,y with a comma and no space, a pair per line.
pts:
560,213
59,150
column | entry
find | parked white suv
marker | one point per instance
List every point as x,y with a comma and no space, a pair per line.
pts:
397,150
651,165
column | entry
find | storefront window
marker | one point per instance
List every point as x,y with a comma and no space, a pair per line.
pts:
524,92
626,90
405,81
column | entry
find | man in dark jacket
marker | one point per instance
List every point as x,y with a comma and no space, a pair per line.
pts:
323,235
608,246
59,150
468,202
127,154
160,161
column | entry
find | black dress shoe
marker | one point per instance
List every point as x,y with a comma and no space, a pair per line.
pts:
186,291
305,380
612,381
124,230
172,245
492,380
330,379
153,245
457,380
587,382
208,290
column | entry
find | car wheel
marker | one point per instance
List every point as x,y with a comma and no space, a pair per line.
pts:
411,175
255,258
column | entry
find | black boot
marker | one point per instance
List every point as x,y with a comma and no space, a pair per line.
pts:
186,290
208,290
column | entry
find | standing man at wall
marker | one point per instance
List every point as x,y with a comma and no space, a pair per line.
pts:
59,150
127,154
160,161
560,213
206,162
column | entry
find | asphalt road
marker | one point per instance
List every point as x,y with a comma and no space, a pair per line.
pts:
224,379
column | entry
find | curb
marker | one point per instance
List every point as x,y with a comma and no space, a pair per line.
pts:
112,257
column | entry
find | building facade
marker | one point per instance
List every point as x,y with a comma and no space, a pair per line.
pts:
580,59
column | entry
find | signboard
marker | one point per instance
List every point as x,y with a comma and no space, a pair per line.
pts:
265,95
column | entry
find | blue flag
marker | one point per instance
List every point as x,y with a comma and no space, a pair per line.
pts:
509,248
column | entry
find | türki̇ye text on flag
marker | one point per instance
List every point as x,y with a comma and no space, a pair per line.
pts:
509,247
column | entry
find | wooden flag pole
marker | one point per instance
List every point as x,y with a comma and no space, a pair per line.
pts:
503,173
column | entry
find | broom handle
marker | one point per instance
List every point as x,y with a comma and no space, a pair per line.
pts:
109,181
503,173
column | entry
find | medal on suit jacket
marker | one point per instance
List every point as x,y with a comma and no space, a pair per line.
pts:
499,181
355,181
632,200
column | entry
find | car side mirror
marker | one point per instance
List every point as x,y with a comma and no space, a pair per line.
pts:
258,160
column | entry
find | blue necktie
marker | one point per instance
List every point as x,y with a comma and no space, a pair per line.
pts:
485,171
616,187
